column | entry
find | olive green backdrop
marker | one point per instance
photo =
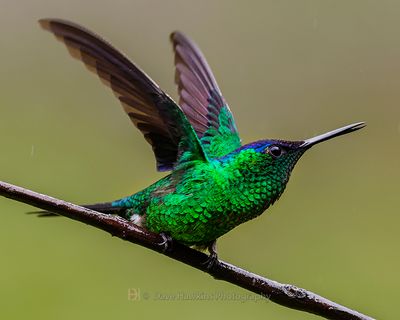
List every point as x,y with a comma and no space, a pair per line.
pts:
289,69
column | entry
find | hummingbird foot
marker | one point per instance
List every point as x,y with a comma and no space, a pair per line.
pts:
166,244
213,257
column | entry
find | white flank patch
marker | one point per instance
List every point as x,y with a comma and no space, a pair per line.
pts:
137,219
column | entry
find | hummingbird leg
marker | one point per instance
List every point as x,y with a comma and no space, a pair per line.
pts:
166,244
213,257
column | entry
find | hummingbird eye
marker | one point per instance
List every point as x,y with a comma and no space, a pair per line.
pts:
275,151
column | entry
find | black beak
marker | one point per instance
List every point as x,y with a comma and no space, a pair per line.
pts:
332,134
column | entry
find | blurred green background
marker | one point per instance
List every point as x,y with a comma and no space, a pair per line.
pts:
289,69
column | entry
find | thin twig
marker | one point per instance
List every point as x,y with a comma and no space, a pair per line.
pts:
284,294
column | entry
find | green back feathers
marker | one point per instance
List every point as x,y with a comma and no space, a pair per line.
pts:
220,141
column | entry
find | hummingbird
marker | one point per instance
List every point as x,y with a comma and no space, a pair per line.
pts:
215,182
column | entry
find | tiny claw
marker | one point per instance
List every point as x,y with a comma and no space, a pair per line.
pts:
212,259
166,243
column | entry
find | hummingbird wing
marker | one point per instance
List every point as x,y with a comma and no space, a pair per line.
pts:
202,100
153,112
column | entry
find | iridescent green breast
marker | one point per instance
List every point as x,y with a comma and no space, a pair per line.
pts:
199,204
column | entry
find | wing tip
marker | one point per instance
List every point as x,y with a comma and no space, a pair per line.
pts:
51,24
45,23
178,36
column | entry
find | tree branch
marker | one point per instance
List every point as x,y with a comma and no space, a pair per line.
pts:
284,294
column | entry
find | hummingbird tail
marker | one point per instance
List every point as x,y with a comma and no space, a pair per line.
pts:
105,207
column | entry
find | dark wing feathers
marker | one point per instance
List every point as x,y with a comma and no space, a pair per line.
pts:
201,99
155,114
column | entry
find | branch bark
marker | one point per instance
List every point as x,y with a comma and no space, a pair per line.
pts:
284,294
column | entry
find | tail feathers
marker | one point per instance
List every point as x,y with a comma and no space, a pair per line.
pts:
105,207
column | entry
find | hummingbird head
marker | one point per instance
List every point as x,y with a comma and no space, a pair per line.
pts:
273,160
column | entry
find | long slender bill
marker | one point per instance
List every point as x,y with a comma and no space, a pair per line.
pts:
332,134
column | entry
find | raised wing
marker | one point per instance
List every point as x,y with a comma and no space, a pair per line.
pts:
201,99
153,112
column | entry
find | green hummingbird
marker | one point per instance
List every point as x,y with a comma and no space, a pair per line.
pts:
216,183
